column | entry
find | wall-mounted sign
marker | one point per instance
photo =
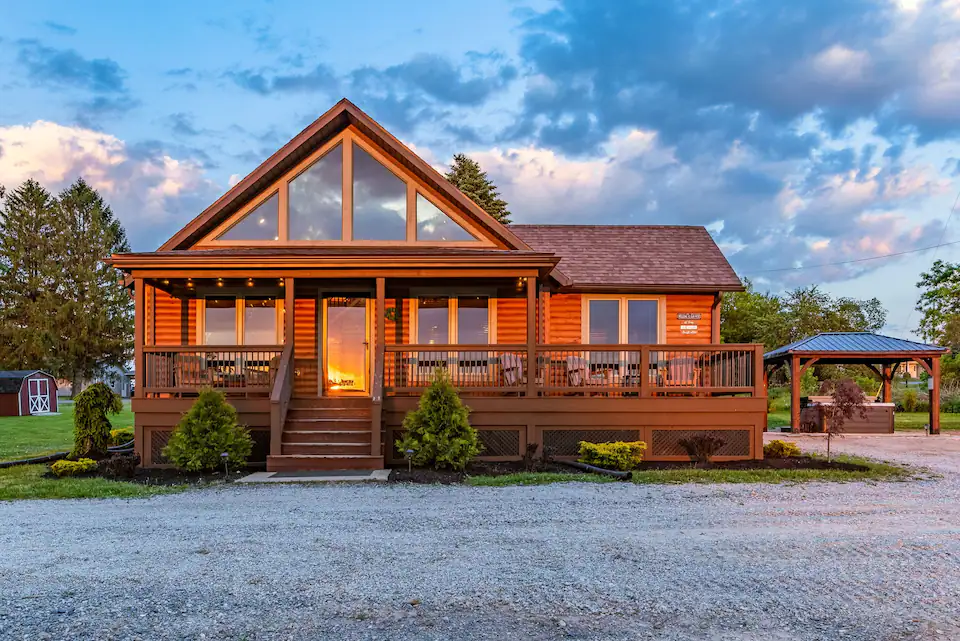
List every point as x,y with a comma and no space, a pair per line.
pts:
688,316
688,328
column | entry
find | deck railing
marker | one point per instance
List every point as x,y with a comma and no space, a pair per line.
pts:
589,370
185,370
280,399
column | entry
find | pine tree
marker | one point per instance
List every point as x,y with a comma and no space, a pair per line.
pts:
207,431
95,319
473,181
29,277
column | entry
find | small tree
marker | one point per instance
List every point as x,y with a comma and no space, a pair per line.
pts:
438,431
848,399
91,427
205,433
466,174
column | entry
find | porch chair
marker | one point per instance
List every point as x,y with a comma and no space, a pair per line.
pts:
514,373
192,372
579,374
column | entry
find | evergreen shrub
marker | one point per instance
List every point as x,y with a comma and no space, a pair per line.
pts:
205,432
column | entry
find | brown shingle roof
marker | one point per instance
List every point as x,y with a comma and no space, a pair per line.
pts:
640,257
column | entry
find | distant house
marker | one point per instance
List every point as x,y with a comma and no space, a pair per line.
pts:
26,392
323,292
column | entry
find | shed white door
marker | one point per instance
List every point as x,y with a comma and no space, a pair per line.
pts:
39,391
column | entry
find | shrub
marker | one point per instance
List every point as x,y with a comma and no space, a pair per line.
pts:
121,436
91,427
848,400
701,447
780,449
66,467
207,431
620,455
119,466
923,406
910,400
439,430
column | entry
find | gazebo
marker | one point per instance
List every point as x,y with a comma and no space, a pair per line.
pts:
882,354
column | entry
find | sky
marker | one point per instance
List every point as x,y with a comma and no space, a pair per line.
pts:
801,134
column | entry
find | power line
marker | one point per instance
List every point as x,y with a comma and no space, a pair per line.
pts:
856,260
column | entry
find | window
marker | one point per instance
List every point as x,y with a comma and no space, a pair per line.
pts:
259,321
239,320
473,320
622,320
379,200
433,321
316,200
260,224
433,224
220,321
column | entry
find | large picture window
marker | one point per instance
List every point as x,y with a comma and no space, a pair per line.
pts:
347,191
622,320
239,320
454,320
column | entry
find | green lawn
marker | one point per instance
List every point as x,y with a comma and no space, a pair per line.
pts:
25,436
27,482
901,420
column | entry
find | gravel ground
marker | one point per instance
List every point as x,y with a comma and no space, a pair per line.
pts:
584,561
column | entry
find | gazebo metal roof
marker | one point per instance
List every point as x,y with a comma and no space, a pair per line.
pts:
862,345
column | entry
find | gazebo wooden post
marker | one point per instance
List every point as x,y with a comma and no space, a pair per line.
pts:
887,383
794,393
935,395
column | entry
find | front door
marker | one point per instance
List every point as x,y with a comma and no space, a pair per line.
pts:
39,392
346,343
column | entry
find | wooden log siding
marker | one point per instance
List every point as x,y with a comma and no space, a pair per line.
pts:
686,304
564,324
305,337
511,320
173,321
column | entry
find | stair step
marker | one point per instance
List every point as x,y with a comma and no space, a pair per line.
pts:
306,463
326,449
326,436
331,402
329,412
320,425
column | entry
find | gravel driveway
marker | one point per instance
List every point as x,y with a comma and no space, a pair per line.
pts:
582,561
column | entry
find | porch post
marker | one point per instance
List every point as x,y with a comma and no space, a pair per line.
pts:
379,340
288,311
887,383
795,393
531,337
715,318
935,395
139,362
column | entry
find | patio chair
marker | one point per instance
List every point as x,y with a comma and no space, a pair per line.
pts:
579,374
192,372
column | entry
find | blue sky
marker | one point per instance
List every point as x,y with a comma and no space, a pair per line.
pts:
799,133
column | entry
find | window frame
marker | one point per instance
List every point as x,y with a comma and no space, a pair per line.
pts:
348,139
623,328
239,299
453,306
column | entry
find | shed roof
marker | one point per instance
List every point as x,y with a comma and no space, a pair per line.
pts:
634,257
858,343
11,380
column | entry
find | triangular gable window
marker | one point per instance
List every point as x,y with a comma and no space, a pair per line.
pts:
260,224
433,224
379,200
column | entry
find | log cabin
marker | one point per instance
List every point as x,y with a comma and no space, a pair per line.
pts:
322,292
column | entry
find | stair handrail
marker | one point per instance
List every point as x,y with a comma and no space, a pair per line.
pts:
280,399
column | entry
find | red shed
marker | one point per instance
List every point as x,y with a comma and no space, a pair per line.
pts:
25,392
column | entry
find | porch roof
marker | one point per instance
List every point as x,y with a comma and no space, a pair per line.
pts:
336,257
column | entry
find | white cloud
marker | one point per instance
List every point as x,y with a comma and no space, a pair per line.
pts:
152,193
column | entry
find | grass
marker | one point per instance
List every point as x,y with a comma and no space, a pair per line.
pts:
877,471
26,436
901,420
27,482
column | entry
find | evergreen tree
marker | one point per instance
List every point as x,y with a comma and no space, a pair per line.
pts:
473,181
95,320
29,277
207,431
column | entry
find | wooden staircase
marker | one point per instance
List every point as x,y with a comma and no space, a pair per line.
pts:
327,434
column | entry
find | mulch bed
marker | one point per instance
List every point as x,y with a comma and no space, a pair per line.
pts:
170,476
447,477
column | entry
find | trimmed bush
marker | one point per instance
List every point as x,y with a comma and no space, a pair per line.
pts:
439,430
72,468
205,432
119,466
620,455
121,436
780,449
91,427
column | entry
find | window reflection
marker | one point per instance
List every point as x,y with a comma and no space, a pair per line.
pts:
472,320
433,321
604,322
262,223
259,321
641,321
315,200
433,224
379,200
220,321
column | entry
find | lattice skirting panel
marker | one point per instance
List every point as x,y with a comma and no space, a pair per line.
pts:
567,442
500,443
158,441
667,442
261,445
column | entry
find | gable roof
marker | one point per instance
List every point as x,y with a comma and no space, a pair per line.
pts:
866,343
338,118
12,380
634,257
